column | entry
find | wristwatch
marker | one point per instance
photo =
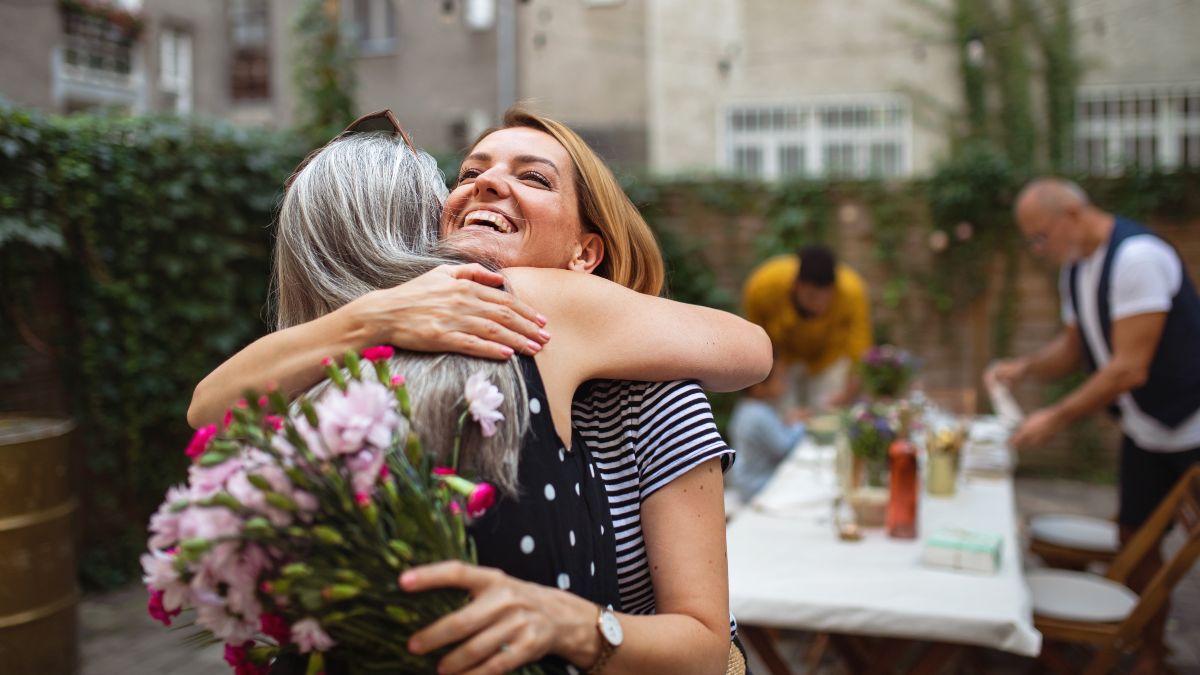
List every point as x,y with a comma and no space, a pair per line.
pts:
611,637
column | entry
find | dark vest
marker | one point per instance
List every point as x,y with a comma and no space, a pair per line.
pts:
1172,391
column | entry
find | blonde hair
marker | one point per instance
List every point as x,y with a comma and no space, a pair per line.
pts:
632,257
363,215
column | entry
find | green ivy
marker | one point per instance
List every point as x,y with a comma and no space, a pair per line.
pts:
157,229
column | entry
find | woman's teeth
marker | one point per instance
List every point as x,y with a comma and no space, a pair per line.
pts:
488,219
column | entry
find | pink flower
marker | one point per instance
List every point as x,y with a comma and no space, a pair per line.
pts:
209,523
364,414
228,419
444,471
238,657
275,627
162,577
963,231
483,400
454,508
362,498
274,421
327,361
200,440
164,524
157,611
378,353
307,635
482,498
938,241
397,381
364,470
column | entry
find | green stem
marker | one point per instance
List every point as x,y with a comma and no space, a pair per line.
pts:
462,420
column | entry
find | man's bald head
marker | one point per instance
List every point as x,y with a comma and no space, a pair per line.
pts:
1051,196
1053,214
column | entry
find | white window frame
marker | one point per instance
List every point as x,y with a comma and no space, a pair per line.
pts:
175,67
799,123
382,28
1133,113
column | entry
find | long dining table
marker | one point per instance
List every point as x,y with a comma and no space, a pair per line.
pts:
874,599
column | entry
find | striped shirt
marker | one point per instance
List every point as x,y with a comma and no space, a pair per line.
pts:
642,436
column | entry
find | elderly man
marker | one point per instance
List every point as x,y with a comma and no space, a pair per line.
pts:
817,316
1132,316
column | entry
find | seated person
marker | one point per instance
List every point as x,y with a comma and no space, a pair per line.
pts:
762,439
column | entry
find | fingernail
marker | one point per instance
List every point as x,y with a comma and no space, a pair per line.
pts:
508,351
414,646
541,320
534,347
544,335
407,579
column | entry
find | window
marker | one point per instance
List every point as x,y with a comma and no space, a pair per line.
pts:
175,69
374,26
96,49
855,138
1140,127
249,70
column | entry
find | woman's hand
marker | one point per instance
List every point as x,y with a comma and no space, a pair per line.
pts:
452,308
509,622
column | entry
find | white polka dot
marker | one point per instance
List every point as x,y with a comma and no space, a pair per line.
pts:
572,537
549,492
527,544
535,406
562,455
577,493
564,581
592,468
572,670
593,569
601,529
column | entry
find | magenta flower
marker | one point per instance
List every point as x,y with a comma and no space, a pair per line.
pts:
482,498
308,635
200,439
275,627
378,353
483,401
397,381
158,611
238,658
444,471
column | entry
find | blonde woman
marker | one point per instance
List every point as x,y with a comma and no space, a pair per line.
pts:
532,193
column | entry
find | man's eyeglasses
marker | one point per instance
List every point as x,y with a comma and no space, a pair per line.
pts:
380,120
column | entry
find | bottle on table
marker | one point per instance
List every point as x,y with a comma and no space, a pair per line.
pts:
902,500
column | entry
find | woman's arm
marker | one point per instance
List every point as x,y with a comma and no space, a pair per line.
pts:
513,622
452,308
612,332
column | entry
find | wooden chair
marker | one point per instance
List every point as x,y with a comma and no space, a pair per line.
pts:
1072,542
1082,608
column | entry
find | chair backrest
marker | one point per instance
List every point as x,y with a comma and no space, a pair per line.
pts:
1181,506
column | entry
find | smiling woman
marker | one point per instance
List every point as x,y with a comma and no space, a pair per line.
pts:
532,193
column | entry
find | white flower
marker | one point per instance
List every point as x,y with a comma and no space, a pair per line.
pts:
307,635
483,400
161,575
364,414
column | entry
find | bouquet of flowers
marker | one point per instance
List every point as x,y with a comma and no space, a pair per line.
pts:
887,371
296,521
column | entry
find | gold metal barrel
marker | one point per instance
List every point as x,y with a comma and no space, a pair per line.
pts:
38,589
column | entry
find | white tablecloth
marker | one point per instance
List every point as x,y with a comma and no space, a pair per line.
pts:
788,569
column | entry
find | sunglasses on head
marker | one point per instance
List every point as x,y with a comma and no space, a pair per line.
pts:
380,120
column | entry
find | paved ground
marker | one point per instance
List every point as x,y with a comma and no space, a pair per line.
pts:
118,638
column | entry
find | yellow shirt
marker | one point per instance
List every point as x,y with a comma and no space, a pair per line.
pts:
817,342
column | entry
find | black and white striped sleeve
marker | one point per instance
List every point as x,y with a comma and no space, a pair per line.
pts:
676,432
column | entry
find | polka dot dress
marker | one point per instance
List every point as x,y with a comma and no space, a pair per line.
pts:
558,531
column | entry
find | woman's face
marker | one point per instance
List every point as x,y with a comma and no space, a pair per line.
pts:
515,201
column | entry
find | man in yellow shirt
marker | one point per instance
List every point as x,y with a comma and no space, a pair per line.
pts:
817,314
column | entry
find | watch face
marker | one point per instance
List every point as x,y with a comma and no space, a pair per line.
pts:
610,628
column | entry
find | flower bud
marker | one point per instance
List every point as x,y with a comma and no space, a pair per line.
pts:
296,570
401,549
328,535
353,365
351,577
339,592
260,482
401,615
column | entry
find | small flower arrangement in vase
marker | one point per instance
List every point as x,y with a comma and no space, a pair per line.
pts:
870,429
887,371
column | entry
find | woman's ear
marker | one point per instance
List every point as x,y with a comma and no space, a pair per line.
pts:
589,251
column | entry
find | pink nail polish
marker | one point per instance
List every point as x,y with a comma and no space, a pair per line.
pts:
544,335
508,351
541,320
534,347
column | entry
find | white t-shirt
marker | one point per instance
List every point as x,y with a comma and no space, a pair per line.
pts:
1146,275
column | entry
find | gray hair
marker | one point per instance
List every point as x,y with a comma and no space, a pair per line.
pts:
363,215
1053,195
